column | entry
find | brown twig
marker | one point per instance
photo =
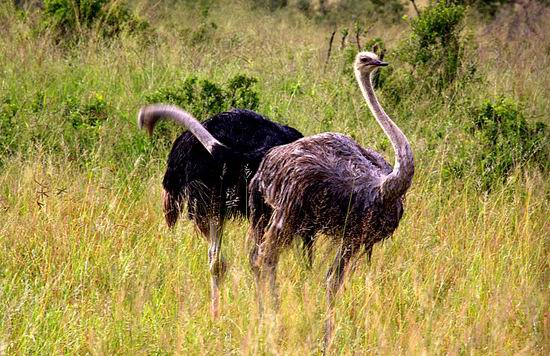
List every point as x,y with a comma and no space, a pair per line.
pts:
382,54
345,33
329,51
415,7
357,37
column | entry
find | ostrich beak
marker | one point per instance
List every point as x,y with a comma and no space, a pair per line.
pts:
380,63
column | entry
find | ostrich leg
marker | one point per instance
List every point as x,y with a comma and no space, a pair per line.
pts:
335,278
265,258
270,267
256,230
216,263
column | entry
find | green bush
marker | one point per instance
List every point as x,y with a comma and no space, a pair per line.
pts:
68,18
204,98
503,140
68,15
434,58
272,5
435,48
240,92
205,31
83,119
118,18
89,114
72,126
385,10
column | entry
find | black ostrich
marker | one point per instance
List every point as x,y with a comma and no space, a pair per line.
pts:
209,168
329,184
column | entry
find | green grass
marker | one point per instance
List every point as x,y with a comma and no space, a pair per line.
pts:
87,264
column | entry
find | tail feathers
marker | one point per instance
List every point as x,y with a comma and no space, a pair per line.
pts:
172,208
149,115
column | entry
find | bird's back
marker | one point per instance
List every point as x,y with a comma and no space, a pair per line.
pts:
247,131
326,158
319,182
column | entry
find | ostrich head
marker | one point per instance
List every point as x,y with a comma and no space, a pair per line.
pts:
366,62
146,120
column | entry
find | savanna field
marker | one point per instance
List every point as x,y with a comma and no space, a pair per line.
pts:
88,265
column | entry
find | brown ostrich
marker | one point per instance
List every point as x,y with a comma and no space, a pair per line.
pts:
329,184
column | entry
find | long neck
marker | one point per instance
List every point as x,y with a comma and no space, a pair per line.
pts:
149,116
399,180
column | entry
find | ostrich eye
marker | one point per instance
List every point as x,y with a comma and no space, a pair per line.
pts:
364,60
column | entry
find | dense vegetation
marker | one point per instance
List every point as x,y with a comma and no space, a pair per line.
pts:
87,265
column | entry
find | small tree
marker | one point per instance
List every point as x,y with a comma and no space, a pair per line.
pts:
435,48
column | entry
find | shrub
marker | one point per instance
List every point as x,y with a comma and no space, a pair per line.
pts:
205,31
433,58
73,127
92,113
385,10
435,48
273,5
205,98
241,94
503,140
69,17
83,120
118,18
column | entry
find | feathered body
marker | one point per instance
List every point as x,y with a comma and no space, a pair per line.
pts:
326,184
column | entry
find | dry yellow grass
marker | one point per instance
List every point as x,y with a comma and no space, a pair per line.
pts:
91,268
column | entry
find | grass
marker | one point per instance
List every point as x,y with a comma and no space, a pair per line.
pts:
88,266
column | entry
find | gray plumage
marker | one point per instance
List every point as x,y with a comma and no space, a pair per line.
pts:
329,184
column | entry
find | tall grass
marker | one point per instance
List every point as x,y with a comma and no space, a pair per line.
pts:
88,266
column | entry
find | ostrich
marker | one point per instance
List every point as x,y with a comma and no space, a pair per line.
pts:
211,177
329,184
